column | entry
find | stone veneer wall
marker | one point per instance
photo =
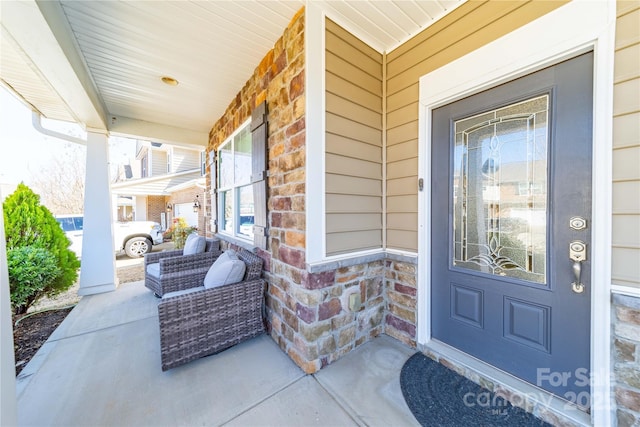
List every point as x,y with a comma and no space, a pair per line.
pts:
626,358
279,79
308,310
401,291
315,326
311,318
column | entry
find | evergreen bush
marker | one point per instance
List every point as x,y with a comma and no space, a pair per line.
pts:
28,223
31,271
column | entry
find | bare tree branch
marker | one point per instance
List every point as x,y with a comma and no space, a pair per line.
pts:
60,183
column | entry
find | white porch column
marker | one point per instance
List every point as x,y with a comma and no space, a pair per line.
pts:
8,414
98,265
114,207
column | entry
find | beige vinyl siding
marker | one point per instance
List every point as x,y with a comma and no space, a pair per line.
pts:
353,143
626,147
159,163
184,159
465,29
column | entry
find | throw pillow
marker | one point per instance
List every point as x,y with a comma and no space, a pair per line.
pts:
225,256
194,245
190,237
225,270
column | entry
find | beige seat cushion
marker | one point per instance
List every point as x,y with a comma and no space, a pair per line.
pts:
153,269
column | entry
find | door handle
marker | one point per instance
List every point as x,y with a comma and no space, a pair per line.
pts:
577,253
577,285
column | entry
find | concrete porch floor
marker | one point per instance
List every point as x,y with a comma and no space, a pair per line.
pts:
101,367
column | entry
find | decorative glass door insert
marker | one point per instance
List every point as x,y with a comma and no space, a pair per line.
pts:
500,191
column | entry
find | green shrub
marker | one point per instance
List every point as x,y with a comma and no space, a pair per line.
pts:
31,271
28,223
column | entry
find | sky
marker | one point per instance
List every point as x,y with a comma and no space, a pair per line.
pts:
24,151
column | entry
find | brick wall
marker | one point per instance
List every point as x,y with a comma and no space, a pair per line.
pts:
155,206
626,358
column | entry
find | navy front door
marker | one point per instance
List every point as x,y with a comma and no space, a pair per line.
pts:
511,204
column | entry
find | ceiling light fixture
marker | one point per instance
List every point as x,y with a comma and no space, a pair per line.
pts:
169,81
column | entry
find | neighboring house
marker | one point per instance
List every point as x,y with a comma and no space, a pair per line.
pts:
170,184
397,185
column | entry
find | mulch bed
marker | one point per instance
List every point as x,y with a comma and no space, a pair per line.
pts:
33,331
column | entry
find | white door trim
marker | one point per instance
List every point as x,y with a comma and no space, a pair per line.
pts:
574,28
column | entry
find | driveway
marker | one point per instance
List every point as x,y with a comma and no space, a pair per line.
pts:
122,260
132,269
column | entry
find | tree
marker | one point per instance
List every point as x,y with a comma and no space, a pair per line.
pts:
29,224
61,182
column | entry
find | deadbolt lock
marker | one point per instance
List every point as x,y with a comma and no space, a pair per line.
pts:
577,251
578,223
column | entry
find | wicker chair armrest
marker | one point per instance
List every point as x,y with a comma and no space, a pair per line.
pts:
156,256
187,262
182,280
253,263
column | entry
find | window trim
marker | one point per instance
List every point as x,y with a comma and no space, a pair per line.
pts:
233,188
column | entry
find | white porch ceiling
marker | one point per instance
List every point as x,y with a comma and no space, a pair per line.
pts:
117,52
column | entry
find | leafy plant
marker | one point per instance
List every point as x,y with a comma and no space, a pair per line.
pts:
180,230
31,271
28,223
168,234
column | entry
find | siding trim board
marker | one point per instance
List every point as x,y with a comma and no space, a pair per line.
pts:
315,86
591,25
385,121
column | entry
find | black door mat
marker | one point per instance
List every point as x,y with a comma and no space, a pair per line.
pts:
438,396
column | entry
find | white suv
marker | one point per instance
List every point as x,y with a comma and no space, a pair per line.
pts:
136,238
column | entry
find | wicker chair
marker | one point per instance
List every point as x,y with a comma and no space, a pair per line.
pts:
204,322
177,271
